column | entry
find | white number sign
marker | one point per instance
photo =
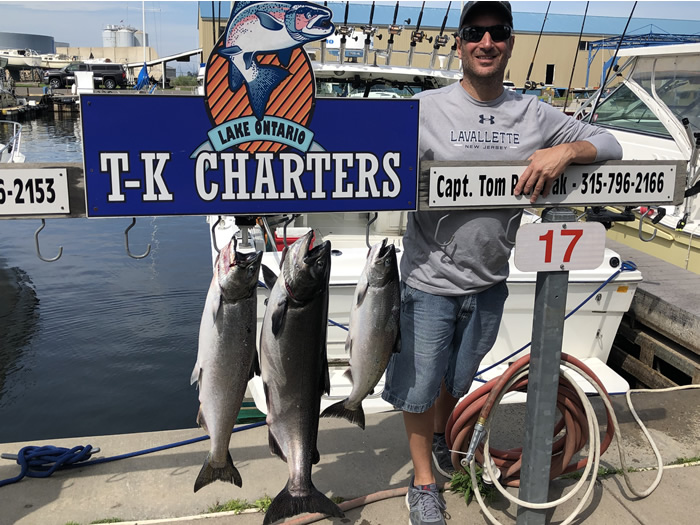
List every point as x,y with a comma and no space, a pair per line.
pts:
559,246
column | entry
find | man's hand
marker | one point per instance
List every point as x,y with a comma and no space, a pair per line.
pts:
547,164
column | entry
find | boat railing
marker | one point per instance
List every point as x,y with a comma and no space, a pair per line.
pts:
386,57
10,151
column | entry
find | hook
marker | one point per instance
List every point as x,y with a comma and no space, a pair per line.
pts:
369,223
641,221
437,228
126,242
284,229
213,235
510,223
36,243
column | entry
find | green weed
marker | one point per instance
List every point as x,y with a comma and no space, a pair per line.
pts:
462,484
263,503
683,460
234,505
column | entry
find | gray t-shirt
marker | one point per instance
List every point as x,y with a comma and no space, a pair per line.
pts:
455,126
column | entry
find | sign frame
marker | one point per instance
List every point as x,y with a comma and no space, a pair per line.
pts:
573,179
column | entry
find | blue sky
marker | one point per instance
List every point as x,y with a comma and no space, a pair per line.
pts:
172,25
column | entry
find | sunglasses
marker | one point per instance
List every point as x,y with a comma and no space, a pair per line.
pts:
474,34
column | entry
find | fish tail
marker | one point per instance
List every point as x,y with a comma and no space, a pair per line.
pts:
209,474
356,415
260,89
286,505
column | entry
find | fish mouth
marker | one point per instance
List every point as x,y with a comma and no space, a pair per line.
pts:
317,252
246,259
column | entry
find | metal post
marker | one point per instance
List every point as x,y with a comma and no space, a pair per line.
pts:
543,382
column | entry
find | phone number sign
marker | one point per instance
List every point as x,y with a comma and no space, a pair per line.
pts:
450,185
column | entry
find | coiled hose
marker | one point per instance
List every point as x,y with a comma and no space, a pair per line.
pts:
474,415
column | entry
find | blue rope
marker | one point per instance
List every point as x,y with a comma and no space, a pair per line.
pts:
41,462
626,266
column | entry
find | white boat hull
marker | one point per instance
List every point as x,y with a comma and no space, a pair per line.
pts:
588,334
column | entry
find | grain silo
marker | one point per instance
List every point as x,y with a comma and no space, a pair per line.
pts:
125,37
140,38
109,36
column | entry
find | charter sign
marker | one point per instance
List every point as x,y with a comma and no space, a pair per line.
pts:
258,142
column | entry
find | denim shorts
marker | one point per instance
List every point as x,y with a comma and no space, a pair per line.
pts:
441,338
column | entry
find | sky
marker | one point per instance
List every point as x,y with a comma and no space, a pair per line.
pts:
172,25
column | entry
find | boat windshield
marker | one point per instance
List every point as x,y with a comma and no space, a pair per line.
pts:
327,88
677,84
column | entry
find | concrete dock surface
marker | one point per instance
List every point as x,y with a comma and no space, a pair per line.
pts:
158,487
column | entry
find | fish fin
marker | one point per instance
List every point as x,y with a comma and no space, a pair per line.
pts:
229,51
196,376
326,375
339,410
248,59
269,276
348,374
260,89
269,22
254,367
348,345
275,448
397,344
285,56
286,505
360,293
209,474
200,419
235,78
278,316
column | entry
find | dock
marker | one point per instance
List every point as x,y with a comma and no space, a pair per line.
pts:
158,487
658,343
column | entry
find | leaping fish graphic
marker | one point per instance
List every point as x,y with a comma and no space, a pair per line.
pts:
267,27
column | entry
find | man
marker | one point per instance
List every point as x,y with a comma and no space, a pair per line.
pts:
453,294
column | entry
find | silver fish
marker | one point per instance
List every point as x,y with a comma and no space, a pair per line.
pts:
374,330
267,27
227,356
295,372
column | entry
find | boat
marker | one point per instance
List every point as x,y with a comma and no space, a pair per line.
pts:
10,142
654,112
57,60
588,335
21,58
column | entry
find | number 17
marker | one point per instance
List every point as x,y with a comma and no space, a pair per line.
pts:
549,239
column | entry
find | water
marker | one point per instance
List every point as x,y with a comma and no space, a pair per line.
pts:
97,342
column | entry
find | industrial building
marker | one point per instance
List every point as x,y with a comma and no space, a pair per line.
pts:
558,48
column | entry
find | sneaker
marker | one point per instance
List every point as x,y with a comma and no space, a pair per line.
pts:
425,507
442,457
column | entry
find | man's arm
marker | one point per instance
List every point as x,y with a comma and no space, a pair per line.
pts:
547,164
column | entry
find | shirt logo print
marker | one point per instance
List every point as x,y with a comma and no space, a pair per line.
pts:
490,118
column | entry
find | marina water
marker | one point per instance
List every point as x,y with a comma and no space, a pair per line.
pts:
97,342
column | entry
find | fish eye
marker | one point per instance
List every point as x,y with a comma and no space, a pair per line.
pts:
321,262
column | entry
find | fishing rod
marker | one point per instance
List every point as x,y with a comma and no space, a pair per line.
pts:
528,84
369,30
441,40
571,78
344,31
612,64
393,31
323,42
416,36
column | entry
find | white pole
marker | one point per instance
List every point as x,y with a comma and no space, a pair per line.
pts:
143,24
